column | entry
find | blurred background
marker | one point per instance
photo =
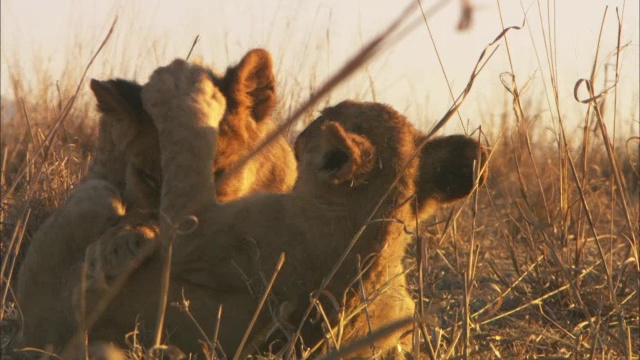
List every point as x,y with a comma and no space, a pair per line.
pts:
49,42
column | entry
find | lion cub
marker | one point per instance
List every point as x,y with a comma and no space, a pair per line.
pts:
348,158
119,198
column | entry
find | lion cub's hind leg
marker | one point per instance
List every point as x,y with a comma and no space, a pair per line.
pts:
54,256
121,250
56,251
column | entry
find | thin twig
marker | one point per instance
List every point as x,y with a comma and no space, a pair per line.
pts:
216,329
16,239
195,42
259,308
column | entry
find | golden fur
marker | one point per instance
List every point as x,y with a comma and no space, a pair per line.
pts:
347,158
119,197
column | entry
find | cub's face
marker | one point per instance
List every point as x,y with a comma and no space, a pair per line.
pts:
347,146
143,171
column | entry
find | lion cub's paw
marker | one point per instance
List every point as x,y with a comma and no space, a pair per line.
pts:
174,91
121,249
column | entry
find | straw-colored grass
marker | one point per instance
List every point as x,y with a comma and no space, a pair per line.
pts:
540,262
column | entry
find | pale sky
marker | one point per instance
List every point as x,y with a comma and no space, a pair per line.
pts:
311,39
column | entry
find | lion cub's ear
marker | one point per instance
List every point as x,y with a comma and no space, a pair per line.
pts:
253,85
345,157
121,104
447,170
117,96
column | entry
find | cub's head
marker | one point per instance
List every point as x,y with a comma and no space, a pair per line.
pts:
134,134
354,147
249,89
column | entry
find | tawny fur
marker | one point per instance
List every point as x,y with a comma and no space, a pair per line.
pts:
347,158
119,197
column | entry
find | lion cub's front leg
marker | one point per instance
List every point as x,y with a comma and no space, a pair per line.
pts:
186,107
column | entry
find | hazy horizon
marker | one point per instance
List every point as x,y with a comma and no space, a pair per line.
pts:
311,40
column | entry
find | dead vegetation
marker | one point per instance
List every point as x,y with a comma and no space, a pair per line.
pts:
542,262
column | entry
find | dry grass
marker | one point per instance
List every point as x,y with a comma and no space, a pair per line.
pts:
540,263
